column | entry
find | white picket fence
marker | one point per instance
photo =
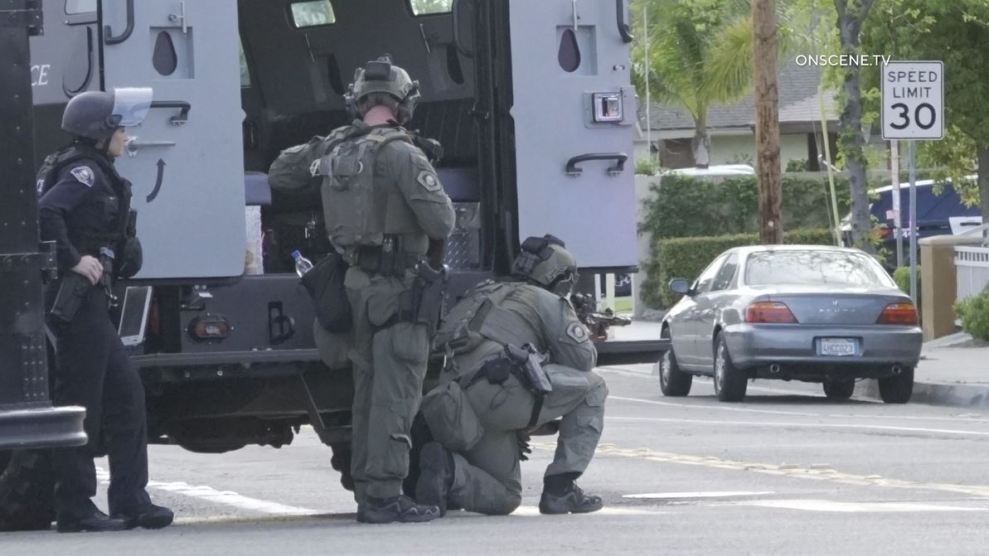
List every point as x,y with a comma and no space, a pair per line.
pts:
972,270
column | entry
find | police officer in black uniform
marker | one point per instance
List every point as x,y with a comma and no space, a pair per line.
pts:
85,208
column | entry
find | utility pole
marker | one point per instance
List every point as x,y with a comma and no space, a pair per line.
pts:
645,59
767,131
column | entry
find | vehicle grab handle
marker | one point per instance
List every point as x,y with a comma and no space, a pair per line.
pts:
183,115
108,37
623,29
618,168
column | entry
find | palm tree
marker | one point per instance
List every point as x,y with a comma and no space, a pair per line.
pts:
693,58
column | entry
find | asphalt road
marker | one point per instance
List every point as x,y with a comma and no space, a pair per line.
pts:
786,472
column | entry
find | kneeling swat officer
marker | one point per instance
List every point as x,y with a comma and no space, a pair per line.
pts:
85,209
518,358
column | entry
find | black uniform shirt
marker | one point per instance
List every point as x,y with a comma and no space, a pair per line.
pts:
81,211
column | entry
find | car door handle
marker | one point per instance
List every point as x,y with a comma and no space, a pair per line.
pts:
618,168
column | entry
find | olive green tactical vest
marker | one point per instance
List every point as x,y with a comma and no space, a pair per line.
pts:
360,207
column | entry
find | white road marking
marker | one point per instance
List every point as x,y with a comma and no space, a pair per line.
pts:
722,407
780,425
812,505
226,498
695,495
532,511
815,473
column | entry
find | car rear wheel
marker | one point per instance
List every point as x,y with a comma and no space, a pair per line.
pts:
897,388
729,382
673,381
839,388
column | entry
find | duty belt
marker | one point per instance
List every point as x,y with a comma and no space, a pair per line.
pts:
376,261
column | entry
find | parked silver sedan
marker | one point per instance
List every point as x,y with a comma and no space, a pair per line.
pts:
810,313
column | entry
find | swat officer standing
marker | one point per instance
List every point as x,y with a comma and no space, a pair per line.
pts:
388,215
85,208
495,390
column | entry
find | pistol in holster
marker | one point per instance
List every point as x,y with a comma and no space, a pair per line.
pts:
427,296
529,362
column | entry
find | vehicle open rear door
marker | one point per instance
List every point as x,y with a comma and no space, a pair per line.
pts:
186,160
574,110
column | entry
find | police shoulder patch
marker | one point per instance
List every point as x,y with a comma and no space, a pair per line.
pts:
314,168
429,181
84,175
578,332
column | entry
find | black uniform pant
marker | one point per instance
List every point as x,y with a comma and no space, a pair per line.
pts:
93,371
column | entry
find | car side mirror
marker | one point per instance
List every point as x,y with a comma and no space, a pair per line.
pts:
680,286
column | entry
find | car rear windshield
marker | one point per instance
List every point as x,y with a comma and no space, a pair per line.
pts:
814,268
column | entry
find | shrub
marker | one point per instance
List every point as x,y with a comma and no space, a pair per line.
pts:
902,278
685,206
974,313
687,257
646,166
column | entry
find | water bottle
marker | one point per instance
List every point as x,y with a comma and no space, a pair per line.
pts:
302,264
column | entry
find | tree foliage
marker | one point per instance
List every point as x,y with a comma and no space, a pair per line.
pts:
956,32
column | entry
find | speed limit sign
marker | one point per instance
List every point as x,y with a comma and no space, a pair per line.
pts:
913,100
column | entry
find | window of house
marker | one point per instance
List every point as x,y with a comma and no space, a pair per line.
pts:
429,7
312,13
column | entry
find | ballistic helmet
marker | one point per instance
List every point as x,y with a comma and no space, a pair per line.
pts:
546,261
97,115
381,76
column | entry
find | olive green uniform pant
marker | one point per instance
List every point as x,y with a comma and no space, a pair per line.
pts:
389,364
487,477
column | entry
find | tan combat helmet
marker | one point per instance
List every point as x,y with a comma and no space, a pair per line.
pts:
545,261
381,76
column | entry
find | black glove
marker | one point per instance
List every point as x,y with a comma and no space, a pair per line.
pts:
524,448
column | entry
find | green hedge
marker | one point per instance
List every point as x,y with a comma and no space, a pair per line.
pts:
684,206
687,257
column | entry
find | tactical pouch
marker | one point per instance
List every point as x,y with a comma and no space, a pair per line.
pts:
71,292
325,283
451,418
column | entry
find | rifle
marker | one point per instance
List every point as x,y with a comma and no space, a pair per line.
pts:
597,322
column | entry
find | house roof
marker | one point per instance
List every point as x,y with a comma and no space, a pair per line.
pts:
798,103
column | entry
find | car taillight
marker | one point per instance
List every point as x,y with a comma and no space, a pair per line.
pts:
765,312
898,313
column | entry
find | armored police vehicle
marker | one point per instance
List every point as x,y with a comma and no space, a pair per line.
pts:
531,101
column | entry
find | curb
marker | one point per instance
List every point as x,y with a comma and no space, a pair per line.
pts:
935,393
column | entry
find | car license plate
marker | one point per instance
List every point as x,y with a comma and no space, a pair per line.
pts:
837,347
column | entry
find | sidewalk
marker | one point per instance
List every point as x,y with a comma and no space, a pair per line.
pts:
953,371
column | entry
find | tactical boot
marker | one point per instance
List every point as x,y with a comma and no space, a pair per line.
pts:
94,521
148,517
435,476
397,508
572,501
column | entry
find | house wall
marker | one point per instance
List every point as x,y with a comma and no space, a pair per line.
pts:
740,149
